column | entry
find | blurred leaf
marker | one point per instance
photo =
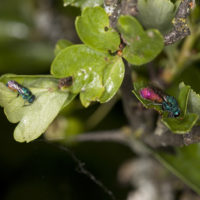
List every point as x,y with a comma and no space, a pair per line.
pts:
157,14
64,128
35,117
190,76
195,15
185,164
68,2
83,3
19,10
13,29
60,45
26,57
97,75
93,29
142,47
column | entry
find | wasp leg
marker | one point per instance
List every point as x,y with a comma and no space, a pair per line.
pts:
26,104
170,115
154,104
17,95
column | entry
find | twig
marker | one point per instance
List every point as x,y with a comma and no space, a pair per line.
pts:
180,29
152,139
118,136
140,119
113,9
82,169
117,7
167,138
129,7
123,136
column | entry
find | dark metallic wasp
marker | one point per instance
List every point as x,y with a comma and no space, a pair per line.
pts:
22,91
167,102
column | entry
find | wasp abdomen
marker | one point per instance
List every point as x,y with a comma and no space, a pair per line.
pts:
149,94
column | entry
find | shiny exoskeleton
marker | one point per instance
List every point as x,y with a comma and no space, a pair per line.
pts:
22,91
167,102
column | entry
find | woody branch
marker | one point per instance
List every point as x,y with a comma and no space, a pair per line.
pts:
143,121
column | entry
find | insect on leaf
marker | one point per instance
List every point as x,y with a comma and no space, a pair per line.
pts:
34,118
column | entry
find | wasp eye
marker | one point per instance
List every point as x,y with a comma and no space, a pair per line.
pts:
176,114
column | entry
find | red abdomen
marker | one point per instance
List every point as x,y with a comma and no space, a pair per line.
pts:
149,94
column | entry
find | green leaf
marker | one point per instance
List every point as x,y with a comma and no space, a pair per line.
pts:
93,29
60,45
183,98
43,110
14,110
181,125
112,78
142,47
34,117
83,3
193,101
97,76
185,164
157,14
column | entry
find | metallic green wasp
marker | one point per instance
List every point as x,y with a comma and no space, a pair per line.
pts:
167,102
22,91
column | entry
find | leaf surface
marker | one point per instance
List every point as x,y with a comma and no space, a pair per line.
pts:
157,14
97,76
142,46
34,118
60,45
93,29
193,101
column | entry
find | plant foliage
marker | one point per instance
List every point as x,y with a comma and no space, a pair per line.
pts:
97,71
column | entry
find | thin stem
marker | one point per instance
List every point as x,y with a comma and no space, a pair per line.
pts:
101,112
161,137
